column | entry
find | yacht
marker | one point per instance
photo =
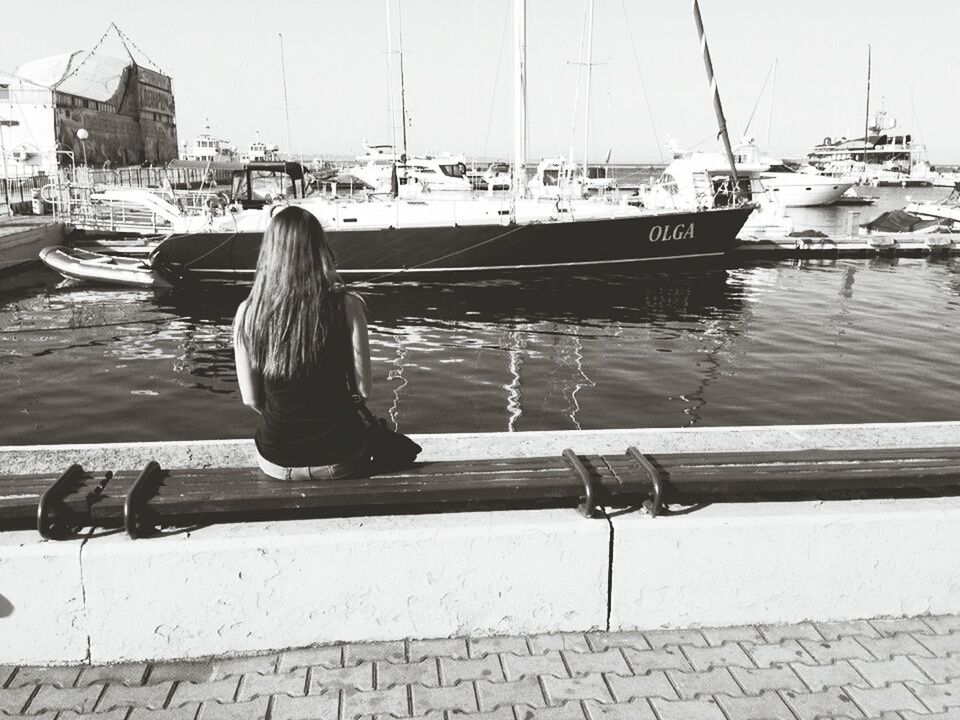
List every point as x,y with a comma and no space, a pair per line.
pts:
259,151
206,148
419,173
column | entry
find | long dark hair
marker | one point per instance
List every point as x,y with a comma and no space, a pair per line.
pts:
296,298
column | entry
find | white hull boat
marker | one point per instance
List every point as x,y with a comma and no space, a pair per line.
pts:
76,264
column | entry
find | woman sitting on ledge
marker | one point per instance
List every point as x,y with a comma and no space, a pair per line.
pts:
295,338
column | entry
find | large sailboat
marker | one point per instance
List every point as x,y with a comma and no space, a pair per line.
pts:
376,236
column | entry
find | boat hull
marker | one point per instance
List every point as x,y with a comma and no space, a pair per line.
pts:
75,264
479,248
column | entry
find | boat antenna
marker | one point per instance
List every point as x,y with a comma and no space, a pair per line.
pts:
520,99
773,89
391,113
717,105
866,117
403,89
286,104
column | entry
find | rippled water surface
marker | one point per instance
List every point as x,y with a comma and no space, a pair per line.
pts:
810,342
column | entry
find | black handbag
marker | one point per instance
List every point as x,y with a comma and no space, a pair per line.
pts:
389,449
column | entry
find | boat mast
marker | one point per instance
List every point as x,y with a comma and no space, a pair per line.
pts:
773,87
586,119
403,88
717,105
286,105
520,99
866,117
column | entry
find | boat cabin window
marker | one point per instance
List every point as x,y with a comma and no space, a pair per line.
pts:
781,169
669,183
722,196
551,176
456,170
253,188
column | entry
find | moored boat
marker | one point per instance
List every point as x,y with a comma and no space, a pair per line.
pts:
76,264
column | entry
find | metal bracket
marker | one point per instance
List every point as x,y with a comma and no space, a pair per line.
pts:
134,521
49,516
588,506
654,505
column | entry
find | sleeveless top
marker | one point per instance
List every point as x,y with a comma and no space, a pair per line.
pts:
311,420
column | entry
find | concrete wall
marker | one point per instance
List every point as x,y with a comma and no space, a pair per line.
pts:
260,586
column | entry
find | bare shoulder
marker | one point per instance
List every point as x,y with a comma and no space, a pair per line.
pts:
238,318
355,306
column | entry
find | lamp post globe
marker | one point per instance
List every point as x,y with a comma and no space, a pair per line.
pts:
82,135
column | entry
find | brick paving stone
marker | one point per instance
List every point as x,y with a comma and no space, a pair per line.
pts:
643,661
310,707
887,627
780,653
889,646
791,631
42,716
516,692
940,669
850,628
453,670
12,700
820,677
447,647
217,690
185,712
152,697
662,638
943,624
194,672
734,633
766,706
656,684
327,656
461,698
725,655
498,645
118,714
603,641
292,683
583,687
575,642
357,677
550,663
842,649
874,701
50,697
501,714
703,709
882,672
606,661
59,677
423,672
228,667
250,710
756,680
633,710
356,653
939,696
123,673
375,702
570,711
710,682
832,702
948,714
941,644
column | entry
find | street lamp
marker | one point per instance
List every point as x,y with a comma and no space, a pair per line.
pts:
82,135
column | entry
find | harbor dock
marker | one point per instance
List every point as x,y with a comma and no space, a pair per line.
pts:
253,587
22,237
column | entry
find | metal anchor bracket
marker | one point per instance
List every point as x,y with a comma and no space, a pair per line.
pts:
588,506
50,516
654,505
134,510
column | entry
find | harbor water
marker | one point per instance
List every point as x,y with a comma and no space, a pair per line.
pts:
671,346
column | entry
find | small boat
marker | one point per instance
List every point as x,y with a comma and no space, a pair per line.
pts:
851,197
77,264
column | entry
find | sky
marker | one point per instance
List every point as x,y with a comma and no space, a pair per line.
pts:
225,61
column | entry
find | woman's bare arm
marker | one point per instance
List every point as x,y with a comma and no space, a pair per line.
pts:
360,339
251,384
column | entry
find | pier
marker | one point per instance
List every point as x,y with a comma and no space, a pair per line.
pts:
22,237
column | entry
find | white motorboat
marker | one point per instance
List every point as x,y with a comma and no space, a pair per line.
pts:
946,209
801,189
416,173
76,264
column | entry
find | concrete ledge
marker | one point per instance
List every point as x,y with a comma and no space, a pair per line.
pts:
235,589
41,601
475,446
762,563
21,240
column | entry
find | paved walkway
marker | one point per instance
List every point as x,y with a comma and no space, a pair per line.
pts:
890,669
